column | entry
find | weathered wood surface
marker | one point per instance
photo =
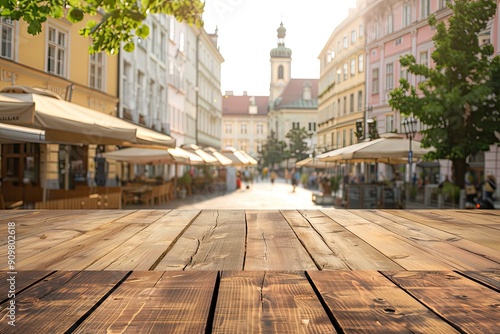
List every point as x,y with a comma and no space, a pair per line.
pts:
251,271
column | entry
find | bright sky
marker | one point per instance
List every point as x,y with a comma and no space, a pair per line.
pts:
247,33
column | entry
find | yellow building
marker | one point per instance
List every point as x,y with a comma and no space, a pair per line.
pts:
56,60
341,92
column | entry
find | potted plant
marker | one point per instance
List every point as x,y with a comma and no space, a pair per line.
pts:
183,184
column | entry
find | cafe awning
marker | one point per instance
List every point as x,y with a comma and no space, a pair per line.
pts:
145,156
20,134
64,121
223,160
239,157
206,157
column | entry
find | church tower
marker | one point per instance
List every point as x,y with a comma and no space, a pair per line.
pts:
281,61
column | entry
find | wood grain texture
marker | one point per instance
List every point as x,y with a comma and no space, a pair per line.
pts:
488,278
143,249
443,245
481,234
367,302
324,254
57,303
268,302
470,306
272,245
156,302
393,246
354,252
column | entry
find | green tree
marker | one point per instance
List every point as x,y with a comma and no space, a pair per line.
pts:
298,145
273,150
121,20
456,99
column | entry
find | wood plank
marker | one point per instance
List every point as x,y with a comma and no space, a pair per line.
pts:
23,279
482,217
223,246
477,233
156,302
432,241
185,247
268,302
57,303
470,306
58,231
367,302
388,243
488,278
272,245
81,252
324,254
144,248
351,249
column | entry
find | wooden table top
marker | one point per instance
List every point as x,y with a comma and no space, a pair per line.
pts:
251,271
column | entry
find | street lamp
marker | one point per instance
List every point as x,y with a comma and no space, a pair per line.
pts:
410,128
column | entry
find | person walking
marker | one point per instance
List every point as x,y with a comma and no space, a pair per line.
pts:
294,179
273,176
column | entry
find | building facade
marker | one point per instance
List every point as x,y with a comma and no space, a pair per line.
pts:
342,105
56,66
244,122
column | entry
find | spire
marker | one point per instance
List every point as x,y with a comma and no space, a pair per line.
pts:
281,51
281,34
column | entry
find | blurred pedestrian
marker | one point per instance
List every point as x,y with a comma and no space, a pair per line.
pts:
273,176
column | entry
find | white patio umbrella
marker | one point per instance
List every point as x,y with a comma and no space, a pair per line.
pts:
223,160
314,163
145,156
205,156
389,150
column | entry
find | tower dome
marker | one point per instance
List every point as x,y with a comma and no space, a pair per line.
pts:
281,51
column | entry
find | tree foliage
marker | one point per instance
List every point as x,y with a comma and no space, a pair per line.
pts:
457,97
273,150
298,145
121,20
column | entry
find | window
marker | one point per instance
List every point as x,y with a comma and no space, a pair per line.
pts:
97,71
389,76
339,72
280,72
344,138
312,126
406,15
229,128
403,74
360,63
443,4
163,49
375,81
351,136
345,71
338,138
154,43
243,128
56,57
260,128
424,58
351,103
172,29
389,123
345,105
361,30
398,41
390,23
353,67
7,28
338,107
425,8
295,125
353,36
181,42
360,100
346,43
